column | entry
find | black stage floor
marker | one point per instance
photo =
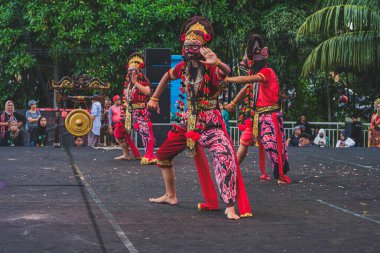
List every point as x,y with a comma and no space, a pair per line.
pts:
331,206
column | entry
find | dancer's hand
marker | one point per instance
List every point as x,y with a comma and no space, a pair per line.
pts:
153,105
209,55
230,107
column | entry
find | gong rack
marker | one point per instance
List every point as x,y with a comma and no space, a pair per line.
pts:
77,83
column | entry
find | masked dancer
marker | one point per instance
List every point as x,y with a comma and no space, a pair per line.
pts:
374,128
201,125
136,92
261,118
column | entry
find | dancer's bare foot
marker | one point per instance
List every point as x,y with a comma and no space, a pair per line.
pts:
165,199
281,182
231,214
123,157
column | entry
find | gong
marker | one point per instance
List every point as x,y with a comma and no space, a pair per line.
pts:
78,122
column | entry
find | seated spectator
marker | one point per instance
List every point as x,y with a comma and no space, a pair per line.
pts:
78,141
344,142
305,140
32,116
321,140
13,137
42,134
294,140
9,114
315,133
303,128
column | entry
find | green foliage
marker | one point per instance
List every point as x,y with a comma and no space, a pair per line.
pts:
350,31
45,40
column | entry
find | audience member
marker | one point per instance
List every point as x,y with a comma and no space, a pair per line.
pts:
322,140
225,116
304,123
356,131
107,123
114,116
107,104
344,141
78,141
293,141
374,127
32,116
42,134
13,136
9,114
96,109
303,128
305,140
315,133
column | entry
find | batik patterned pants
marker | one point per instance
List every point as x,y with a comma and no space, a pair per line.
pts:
219,145
269,135
144,127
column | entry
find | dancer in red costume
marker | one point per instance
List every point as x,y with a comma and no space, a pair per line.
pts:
263,120
201,126
374,128
136,92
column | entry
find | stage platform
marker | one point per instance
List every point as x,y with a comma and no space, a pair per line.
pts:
82,200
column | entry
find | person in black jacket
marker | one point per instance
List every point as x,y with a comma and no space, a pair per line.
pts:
356,131
304,123
42,134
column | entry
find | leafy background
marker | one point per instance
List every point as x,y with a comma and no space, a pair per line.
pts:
43,40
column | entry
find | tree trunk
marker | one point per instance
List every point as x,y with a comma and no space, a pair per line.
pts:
44,86
56,77
328,98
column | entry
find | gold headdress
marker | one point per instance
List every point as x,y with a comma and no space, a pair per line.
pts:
136,60
377,102
197,28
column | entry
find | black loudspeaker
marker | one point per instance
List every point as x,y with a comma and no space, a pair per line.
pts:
160,133
157,56
164,103
158,61
155,73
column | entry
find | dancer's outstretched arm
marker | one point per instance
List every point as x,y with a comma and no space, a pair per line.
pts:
237,99
153,102
245,79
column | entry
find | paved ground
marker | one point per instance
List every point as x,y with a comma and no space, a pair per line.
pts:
331,206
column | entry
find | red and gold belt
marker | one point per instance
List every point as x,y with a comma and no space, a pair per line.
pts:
262,110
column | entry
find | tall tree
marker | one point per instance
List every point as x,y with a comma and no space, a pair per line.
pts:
350,30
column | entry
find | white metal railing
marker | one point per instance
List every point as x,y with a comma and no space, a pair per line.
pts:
332,130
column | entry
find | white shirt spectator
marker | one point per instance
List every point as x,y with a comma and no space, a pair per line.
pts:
96,110
346,143
321,140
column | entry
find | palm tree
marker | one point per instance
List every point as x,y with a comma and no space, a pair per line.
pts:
350,30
